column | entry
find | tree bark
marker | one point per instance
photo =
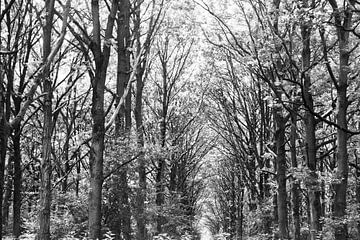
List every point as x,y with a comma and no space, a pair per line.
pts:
141,220
280,126
7,191
310,139
343,22
161,162
17,183
141,169
4,133
281,173
123,120
96,158
295,189
141,191
45,186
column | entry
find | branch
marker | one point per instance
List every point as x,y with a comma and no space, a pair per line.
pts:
7,8
121,165
2,52
37,79
126,92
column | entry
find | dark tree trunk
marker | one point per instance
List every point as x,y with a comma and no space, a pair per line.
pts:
295,189
314,188
96,159
280,141
4,134
96,151
141,169
141,219
161,162
17,183
343,22
357,190
64,184
7,191
45,187
123,120
281,173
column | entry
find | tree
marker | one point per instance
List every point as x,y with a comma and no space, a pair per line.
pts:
310,127
4,118
25,42
343,22
101,54
173,62
142,51
120,220
45,190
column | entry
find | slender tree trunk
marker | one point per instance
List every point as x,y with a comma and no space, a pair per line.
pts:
264,186
161,162
281,173
16,137
233,205
7,191
295,189
240,218
45,187
280,126
4,133
64,184
141,191
123,120
357,189
141,220
340,186
17,183
310,139
78,176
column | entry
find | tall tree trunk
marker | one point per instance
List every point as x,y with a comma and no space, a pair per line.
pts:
240,214
45,187
281,173
280,126
161,162
310,139
96,152
141,191
357,191
17,128
7,191
343,22
64,184
123,120
17,182
96,159
141,220
340,186
4,133
295,189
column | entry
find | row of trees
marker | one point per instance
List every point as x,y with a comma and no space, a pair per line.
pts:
101,134
105,119
286,110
